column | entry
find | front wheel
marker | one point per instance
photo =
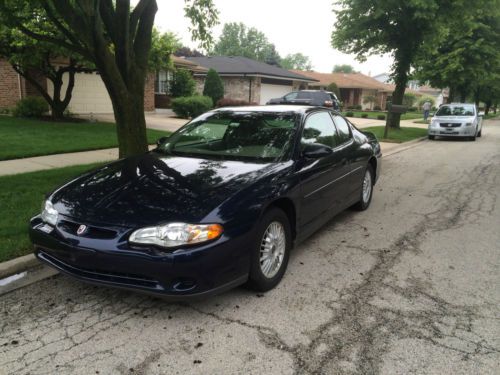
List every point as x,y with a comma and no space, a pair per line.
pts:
479,134
431,136
271,251
366,189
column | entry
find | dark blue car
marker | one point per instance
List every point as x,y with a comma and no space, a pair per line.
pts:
219,203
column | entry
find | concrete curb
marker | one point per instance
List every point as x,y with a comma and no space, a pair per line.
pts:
405,146
29,262
17,265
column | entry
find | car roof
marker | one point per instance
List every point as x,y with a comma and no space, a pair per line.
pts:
272,108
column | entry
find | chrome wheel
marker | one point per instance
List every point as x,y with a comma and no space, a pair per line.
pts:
367,186
272,249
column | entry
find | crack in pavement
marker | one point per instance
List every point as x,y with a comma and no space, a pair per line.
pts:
359,329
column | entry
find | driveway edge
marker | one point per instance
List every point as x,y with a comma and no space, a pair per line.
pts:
405,146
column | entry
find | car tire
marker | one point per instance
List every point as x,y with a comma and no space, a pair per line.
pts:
473,138
431,136
365,197
274,226
479,133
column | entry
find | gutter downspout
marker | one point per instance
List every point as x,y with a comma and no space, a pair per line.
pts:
249,89
19,84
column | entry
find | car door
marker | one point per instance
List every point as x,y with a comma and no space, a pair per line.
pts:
356,160
321,179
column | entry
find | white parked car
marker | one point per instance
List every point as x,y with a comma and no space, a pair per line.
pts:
456,120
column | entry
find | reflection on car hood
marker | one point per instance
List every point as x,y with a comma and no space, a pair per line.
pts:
155,188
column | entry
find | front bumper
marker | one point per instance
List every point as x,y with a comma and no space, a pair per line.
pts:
462,131
191,273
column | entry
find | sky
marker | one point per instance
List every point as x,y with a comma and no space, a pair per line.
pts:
291,25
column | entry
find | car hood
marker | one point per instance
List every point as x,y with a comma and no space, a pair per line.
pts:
454,118
155,188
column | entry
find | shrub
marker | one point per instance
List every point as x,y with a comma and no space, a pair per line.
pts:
377,108
214,88
227,102
349,114
332,87
412,109
364,115
31,106
191,106
358,107
5,111
409,99
183,84
380,117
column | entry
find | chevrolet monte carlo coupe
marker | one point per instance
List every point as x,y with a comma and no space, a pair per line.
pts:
219,203
456,120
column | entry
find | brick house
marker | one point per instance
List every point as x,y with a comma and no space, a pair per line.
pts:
89,93
250,80
353,87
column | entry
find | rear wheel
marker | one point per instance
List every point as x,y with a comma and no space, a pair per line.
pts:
271,252
366,189
431,136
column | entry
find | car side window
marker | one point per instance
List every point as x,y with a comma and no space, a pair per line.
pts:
291,96
319,128
342,128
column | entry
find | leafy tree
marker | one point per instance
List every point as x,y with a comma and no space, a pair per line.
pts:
214,88
343,68
366,27
183,83
296,61
369,99
35,59
162,46
332,87
467,56
116,38
188,52
239,40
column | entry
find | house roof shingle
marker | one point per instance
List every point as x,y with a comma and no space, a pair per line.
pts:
238,65
346,80
182,62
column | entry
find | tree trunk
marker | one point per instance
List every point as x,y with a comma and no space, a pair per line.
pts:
401,79
128,107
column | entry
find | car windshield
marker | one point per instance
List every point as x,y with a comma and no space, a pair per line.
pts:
252,136
456,110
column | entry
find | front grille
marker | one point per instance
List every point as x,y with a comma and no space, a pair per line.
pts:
449,125
126,279
91,231
448,133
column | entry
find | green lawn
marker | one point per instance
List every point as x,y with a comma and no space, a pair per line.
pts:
21,138
21,197
491,115
374,114
404,134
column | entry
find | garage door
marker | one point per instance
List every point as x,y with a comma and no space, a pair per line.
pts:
89,94
268,91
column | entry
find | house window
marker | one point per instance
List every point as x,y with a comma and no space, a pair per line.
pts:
163,82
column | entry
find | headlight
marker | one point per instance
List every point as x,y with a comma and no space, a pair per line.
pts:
176,234
434,123
49,213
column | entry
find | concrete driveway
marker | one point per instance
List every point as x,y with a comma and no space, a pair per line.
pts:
410,286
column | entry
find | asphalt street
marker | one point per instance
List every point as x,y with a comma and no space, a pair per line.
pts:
410,286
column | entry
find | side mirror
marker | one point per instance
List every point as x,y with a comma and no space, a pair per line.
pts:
316,151
161,140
